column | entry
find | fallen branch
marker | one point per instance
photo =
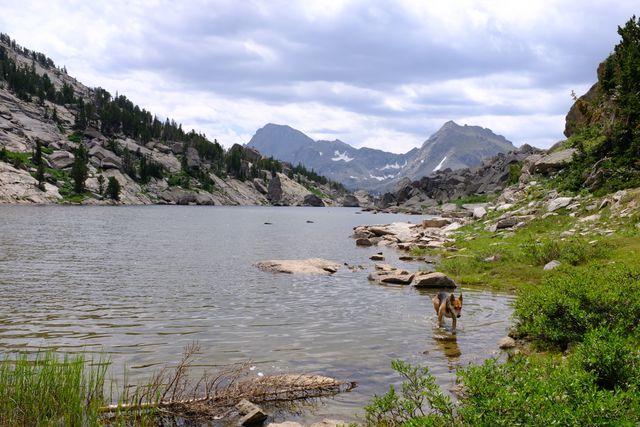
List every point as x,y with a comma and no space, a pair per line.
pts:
176,394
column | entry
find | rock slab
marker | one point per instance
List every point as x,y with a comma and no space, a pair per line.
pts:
304,266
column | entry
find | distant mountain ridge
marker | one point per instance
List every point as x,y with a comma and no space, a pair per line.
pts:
453,146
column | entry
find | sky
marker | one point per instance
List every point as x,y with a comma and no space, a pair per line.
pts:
381,74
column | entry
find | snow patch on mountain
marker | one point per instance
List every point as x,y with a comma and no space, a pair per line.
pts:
341,157
437,168
381,178
393,166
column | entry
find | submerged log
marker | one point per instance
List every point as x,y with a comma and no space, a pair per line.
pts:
270,388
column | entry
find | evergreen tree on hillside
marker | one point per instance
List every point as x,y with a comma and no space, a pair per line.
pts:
608,141
113,188
40,176
81,117
80,170
101,184
37,153
626,60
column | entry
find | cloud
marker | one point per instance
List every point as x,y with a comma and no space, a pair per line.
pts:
383,74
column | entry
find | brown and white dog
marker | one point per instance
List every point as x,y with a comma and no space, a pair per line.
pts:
447,305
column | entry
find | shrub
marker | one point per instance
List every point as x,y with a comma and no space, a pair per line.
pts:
75,137
514,173
611,357
541,392
420,402
570,303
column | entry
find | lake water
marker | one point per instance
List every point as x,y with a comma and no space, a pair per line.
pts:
140,283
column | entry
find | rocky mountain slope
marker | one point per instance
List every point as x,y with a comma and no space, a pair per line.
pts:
491,177
453,146
50,123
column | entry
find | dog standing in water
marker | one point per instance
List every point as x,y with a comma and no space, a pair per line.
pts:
447,305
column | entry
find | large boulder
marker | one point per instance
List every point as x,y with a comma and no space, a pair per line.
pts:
103,158
304,266
61,159
177,148
350,201
387,200
433,280
435,222
553,162
558,203
286,192
178,196
259,185
479,212
192,158
312,200
391,277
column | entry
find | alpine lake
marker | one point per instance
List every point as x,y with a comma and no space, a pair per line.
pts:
137,284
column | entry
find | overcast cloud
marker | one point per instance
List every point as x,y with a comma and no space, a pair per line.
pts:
383,74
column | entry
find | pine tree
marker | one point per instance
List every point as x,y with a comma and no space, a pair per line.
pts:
40,176
101,185
113,189
81,117
37,154
79,170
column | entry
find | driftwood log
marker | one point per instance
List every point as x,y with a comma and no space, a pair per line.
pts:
174,393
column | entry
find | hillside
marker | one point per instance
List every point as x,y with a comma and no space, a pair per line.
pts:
61,141
453,146
603,125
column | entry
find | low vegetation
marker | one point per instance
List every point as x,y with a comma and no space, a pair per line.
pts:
45,390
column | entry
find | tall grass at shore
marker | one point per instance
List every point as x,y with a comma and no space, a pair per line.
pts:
49,390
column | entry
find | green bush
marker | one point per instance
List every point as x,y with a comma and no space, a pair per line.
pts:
570,303
611,357
514,173
75,137
419,403
530,391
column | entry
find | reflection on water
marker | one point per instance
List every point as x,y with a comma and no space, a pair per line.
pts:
447,343
140,283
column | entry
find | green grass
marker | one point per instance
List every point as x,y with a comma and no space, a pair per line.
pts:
47,390
16,158
510,261
73,198
476,198
75,137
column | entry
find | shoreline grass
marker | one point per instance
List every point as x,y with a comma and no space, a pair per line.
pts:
48,390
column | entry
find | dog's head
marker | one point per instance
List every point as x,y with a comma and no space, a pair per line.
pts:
456,305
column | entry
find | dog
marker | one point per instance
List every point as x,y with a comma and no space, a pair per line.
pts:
447,305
